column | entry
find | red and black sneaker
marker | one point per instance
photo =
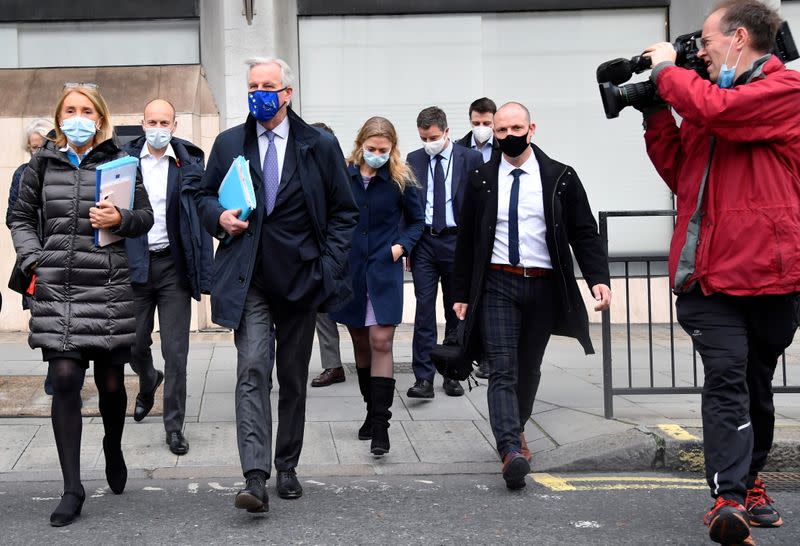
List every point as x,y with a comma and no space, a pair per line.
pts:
759,507
728,523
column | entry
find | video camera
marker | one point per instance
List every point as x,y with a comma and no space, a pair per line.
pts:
612,74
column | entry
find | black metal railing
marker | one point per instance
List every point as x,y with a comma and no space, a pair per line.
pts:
675,381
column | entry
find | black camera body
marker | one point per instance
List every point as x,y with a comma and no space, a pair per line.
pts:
612,74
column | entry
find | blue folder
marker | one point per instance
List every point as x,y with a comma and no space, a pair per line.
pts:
236,190
119,174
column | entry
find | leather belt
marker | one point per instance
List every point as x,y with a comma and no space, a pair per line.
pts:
446,231
523,271
160,252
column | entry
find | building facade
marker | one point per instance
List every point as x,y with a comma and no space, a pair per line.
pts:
354,59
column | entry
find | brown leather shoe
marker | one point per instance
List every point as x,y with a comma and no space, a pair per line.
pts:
515,468
328,377
523,444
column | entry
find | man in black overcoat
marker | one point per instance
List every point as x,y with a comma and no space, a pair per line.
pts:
514,282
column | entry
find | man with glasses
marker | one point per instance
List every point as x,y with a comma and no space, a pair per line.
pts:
168,267
735,255
278,268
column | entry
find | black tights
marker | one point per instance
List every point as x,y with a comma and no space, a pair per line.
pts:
66,376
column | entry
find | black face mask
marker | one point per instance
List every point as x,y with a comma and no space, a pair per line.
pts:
512,145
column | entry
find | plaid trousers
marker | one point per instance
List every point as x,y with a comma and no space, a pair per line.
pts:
517,315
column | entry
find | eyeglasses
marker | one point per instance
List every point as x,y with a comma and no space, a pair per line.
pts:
75,85
701,42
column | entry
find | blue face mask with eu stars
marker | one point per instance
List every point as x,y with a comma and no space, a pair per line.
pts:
264,104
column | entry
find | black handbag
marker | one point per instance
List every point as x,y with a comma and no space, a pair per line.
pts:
451,358
19,281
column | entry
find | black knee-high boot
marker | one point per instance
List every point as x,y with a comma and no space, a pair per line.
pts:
382,392
365,432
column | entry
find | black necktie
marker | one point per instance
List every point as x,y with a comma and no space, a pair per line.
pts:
513,219
439,196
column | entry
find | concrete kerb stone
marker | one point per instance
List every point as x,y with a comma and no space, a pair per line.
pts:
686,455
633,449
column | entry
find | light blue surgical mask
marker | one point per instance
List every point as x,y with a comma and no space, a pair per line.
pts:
158,137
375,161
728,75
78,130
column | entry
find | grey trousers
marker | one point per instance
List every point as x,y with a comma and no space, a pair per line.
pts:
164,291
328,335
294,336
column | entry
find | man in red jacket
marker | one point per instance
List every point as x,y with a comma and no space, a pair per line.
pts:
734,166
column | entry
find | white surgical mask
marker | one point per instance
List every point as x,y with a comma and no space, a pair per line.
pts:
482,133
436,146
158,138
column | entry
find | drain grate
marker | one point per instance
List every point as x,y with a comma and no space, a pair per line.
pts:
781,481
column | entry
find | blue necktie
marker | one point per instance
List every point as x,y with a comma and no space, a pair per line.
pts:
270,171
513,219
439,197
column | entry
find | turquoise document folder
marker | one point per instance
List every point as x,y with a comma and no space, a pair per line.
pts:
236,190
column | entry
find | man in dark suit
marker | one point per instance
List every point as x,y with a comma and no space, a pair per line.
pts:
279,267
169,266
481,139
481,136
442,170
513,279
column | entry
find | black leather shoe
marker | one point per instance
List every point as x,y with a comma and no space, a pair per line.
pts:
483,370
253,497
68,509
177,443
452,387
288,485
145,400
421,389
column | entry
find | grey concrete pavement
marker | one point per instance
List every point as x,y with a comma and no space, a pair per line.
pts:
442,436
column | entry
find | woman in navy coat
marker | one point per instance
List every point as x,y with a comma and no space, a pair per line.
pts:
390,222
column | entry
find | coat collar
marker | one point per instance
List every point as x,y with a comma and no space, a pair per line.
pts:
301,135
355,173
305,135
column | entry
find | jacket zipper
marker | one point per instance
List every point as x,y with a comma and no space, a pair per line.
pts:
73,231
555,239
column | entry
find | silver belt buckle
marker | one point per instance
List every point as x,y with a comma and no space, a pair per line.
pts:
525,272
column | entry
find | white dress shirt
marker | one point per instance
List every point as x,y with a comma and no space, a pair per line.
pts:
485,149
155,173
281,140
447,166
530,216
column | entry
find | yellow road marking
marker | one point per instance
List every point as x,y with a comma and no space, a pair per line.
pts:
677,432
612,483
624,486
554,483
635,479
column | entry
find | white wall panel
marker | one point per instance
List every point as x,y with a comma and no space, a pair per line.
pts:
790,11
354,67
115,43
8,46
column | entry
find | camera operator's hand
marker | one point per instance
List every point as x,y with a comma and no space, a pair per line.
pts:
661,52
